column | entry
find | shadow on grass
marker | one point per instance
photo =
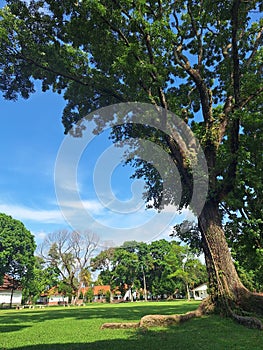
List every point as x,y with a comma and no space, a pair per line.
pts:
11,328
128,312
207,333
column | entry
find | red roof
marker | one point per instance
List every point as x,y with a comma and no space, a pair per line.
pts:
51,292
97,289
101,289
7,283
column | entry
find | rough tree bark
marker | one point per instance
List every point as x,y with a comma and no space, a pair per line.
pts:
227,293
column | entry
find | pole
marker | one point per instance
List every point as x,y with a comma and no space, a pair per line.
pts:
144,285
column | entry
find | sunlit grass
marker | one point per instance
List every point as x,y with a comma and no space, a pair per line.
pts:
60,328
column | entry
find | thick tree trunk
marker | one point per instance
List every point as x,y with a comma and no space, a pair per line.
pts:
227,293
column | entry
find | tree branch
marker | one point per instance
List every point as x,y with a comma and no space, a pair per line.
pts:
198,36
78,80
235,122
255,48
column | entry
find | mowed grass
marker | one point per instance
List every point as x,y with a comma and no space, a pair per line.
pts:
60,328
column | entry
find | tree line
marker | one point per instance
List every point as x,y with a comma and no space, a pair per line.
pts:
67,259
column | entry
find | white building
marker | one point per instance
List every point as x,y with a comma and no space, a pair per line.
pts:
6,293
200,292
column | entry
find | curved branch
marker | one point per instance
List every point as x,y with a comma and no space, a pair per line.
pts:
255,48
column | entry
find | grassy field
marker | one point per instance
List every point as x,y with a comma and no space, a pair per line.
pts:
71,328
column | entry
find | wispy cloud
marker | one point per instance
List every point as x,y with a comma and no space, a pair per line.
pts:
92,206
25,213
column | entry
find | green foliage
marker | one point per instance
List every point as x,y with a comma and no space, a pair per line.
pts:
108,296
155,264
65,289
244,207
185,267
89,295
69,253
43,278
17,248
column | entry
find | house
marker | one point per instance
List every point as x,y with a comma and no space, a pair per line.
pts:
100,292
53,297
6,291
200,292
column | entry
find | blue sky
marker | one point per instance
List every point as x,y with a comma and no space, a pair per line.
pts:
32,134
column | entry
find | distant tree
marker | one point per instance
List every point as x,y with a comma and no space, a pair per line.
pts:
89,295
156,278
43,278
124,269
103,260
70,253
108,296
85,277
185,267
17,248
143,266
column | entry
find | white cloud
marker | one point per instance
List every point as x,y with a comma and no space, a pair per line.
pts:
90,205
40,235
25,213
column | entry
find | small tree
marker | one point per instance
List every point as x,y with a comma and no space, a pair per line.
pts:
108,296
89,295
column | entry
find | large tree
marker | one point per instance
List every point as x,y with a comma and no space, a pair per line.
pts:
69,253
17,248
199,59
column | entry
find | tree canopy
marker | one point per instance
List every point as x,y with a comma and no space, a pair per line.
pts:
68,253
160,267
17,248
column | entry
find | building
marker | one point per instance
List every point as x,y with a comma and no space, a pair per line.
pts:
7,292
200,292
53,297
99,292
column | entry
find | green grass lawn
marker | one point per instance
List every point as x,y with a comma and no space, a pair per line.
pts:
60,328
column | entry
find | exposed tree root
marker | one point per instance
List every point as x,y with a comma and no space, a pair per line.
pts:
115,325
156,320
248,321
206,307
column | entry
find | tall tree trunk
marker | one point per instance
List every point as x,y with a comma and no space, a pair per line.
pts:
188,292
225,288
11,298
